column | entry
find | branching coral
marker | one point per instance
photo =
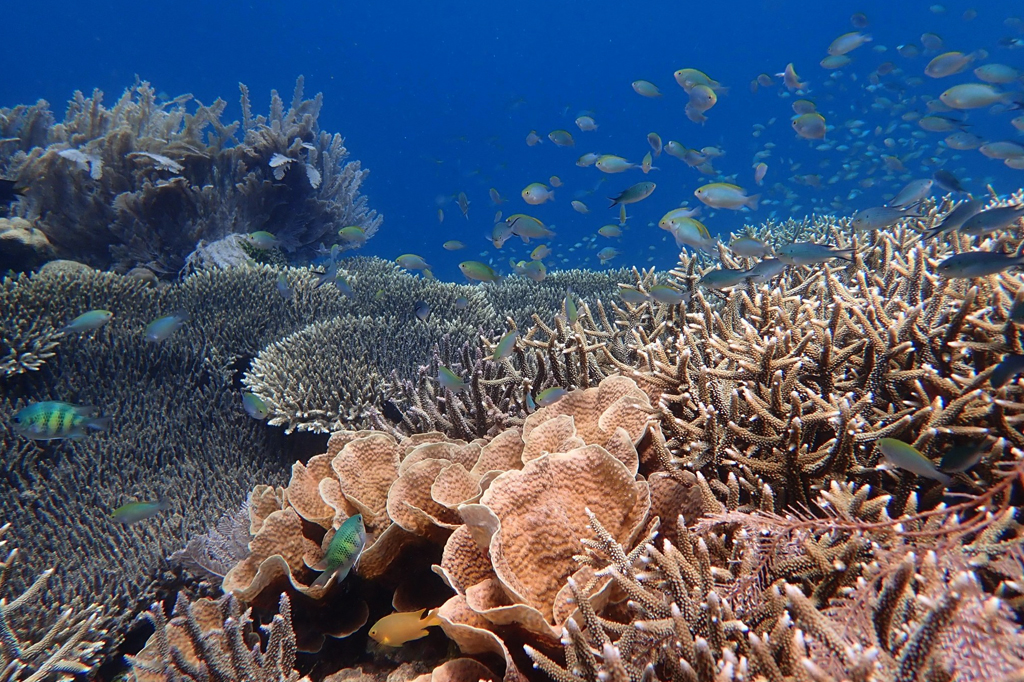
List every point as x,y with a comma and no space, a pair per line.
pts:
210,639
67,647
144,182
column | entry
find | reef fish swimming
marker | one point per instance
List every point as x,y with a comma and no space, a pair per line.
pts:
398,628
133,512
52,420
342,553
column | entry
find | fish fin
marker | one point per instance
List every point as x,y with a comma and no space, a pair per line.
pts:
752,201
845,254
99,423
430,619
614,202
322,579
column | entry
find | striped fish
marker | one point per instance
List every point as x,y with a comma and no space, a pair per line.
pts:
343,551
52,420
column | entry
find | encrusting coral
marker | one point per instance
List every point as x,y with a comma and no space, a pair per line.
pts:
145,182
68,646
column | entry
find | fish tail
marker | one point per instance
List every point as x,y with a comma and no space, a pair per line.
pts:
615,202
845,254
98,423
752,201
322,579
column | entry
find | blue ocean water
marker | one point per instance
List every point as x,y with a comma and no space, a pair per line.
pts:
437,98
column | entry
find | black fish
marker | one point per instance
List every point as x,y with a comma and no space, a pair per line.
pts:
422,310
9,191
947,181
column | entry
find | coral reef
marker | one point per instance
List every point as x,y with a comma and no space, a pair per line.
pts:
67,645
215,639
145,182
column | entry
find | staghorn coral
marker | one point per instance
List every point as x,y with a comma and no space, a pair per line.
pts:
215,639
145,182
66,646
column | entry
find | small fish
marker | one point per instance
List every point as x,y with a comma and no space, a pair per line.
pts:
724,195
537,193
263,240
949,63
345,288
410,261
579,207
52,420
808,253
654,139
453,245
87,322
791,80
479,272
587,160
609,163
948,181
541,252
878,218
749,247
848,42
159,329
606,254
692,233
505,346
646,88
765,270
571,312
955,219
586,123
1010,366
500,234
531,269
976,96
562,138
398,628
329,276
461,303
909,458
662,293
496,197
533,139
527,227
610,231
760,170
353,234
963,457
810,126
422,310
133,512
993,219
912,193
979,263
632,295
550,396
450,381
343,551
254,406
723,278
283,288
463,202
632,195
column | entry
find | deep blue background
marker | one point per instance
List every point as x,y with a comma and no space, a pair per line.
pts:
437,97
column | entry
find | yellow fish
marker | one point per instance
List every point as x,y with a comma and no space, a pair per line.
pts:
404,626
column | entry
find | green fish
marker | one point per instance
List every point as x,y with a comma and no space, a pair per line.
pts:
663,293
505,346
480,272
723,278
263,240
527,227
963,457
809,253
909,458
254,405
343,551
571,312
162,327
631,195
353,234
450,380
87,322
133,512
52,420
550,396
